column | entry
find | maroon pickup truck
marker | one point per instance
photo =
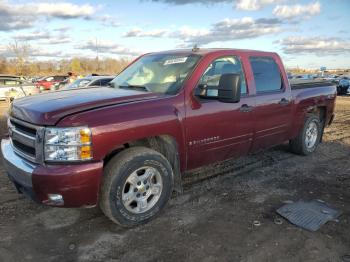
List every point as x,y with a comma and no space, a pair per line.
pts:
125,147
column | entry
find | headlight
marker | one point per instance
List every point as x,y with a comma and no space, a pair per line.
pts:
68,144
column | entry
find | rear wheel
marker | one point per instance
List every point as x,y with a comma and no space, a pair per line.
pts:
308,138
137,184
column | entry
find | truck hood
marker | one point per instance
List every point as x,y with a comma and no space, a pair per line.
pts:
49,108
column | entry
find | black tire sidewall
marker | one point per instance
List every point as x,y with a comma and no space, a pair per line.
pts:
316,120
118,211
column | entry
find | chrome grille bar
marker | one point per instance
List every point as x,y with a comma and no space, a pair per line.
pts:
26,139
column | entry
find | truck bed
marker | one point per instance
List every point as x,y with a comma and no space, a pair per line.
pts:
301,84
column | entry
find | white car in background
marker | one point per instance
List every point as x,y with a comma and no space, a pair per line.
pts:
13,88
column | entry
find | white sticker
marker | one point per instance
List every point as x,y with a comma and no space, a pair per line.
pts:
179,60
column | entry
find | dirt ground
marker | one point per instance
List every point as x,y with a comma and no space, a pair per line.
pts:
211,221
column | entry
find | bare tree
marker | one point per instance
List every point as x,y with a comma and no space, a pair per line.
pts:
20,51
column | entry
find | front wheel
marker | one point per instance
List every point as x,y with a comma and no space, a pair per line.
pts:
308,138
136,186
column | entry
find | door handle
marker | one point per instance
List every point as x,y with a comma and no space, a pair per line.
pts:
283,101
245,108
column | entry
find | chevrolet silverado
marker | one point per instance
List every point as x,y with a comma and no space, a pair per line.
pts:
125,147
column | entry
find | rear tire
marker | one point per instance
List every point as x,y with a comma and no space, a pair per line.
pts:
308,138
137,184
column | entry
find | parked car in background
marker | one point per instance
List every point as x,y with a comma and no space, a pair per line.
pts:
304,77
343,86
12,88
89,81
45,83
59,85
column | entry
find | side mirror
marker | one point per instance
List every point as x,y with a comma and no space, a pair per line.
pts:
229,89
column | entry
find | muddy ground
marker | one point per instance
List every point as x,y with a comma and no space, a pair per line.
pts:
211,221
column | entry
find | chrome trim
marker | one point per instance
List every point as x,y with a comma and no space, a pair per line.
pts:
17,168
22,154
23,123
34,141
23,138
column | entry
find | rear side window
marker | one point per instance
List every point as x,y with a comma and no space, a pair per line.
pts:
266,74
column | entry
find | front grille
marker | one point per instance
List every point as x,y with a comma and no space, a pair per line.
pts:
27,149
25,129
26,139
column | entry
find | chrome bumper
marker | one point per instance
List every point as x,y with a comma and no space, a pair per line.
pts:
18,169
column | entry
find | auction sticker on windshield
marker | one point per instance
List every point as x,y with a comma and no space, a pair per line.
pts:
175,61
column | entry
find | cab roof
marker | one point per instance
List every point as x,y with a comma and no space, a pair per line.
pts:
207,51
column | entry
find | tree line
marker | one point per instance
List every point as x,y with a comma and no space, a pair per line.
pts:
23,65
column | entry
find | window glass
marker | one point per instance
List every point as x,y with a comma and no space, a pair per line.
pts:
49,79
104,82
59,78
220,66
159,73
79,83
10,82
266,74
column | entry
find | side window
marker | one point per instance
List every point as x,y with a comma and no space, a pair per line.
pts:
220,66
95,83
267,75
104,82
10,82
59,78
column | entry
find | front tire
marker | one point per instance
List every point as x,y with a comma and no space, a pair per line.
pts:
308,138
137,184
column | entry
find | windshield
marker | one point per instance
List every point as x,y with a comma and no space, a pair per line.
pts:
160,73
78,83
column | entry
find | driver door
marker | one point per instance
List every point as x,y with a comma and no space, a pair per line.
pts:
216,130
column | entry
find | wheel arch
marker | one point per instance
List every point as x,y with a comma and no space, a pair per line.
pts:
164,144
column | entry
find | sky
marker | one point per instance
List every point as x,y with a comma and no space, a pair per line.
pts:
306,33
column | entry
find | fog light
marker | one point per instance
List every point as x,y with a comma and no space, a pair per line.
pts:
56,199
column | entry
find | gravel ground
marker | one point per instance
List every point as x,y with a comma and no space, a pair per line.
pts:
211,221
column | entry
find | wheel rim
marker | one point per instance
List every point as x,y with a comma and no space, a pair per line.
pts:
311,135
142,190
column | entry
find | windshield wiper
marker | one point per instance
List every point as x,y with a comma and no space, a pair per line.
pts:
136,87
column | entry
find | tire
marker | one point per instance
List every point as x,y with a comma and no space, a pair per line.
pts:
302,144
143,178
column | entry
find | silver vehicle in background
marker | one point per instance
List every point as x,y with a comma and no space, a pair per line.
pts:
88,81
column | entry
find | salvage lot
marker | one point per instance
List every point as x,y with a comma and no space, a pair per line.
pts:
211,221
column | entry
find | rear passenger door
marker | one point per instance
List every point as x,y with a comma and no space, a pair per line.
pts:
273,107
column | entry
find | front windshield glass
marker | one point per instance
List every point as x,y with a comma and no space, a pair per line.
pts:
160,73
78,83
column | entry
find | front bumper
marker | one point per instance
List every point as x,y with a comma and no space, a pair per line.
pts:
19,170
78,184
